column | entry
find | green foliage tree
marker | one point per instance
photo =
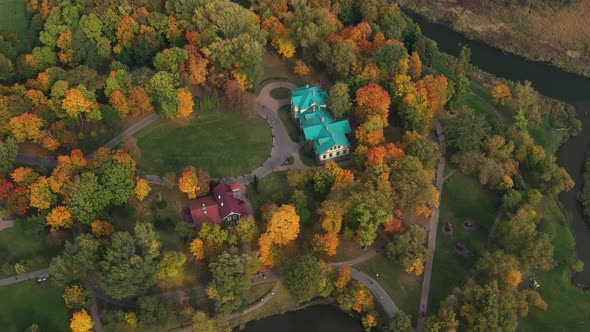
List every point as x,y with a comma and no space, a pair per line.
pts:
76,261
117,179
247,230
87,198
230,278
408,247
460,79
339,100
401,322
8,153
412,185
129,267
171,264
467,131
303,277
163,87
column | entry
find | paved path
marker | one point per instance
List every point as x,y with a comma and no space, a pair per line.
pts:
493,230
35,160
132,130
433,226
4,224
23,277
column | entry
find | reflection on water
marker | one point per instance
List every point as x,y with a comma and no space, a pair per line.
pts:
317,318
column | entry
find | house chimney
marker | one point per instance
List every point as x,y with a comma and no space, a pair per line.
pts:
221,203
218,196
322,119
307,86
313,93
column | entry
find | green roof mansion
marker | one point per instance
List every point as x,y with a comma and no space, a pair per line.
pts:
308,106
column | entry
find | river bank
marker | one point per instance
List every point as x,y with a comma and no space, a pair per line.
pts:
559,37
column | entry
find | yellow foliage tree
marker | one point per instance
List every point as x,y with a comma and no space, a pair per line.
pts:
343,278
75,296
26,126
59,217
75,103
283,226
142,189
24,175
188,182
501,94
197,248
369,321
41,196
102,228
285,47
81,322
186,103
332,214
131,318
417,267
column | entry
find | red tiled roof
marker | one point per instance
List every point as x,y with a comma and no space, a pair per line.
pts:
227,202
204,210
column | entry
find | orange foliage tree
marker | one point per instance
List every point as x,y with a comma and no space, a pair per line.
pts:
325,243
514,278
26,126
415,66
24,175
139,100
501,94
300,68
102,228
185,103
332,215
373,100
119,102
59,217
188,182
343,278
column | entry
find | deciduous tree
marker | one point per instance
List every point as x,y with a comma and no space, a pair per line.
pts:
303,277
102,228
81,322
142,189
325,243
186,103
373,100
59,217
41,196
501,94
339,100
188,182
231,277
76,297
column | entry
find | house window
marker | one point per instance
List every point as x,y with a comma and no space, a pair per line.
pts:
323,156
345,151
235,216
338,153
330,155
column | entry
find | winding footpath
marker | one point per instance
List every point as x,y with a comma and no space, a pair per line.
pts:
433,228
282,149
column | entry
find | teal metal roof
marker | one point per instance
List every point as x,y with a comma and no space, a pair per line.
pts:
317,122
308,96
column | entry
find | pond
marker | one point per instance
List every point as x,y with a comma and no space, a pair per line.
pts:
324,318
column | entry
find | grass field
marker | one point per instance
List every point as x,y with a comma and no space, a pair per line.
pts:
16,246
271,188
289,123
569,307
280,93
222,142
13,19
463,198
25,303
403,288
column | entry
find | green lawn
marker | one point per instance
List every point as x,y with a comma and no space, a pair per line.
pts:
280,93
289,123
271,188
222,142
403,288
13,19
569,307
463,198
16,246
25,303
255,292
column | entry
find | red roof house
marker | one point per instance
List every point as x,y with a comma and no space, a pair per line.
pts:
223,207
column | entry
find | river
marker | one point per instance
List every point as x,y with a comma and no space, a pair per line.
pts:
551,82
